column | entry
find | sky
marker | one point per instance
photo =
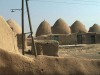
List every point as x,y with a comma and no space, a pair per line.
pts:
86,11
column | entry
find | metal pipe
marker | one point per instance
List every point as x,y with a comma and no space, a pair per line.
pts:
30,25
23,41
17,9
27,33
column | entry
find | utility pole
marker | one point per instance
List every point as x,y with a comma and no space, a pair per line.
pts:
34,51
23,36
22,20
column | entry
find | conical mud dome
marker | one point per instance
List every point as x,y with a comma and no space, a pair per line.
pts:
78,27
43,29
60,27
95,28
14,26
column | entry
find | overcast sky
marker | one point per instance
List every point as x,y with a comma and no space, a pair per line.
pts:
86,11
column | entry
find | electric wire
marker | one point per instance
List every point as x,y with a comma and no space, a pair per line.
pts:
79,2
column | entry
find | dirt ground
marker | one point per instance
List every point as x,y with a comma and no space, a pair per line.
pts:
72,60
89,51
17,64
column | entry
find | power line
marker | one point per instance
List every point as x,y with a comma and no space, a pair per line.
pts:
88,1
71,3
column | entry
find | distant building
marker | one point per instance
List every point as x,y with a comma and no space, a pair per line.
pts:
95,28
43,29
62,33
71,39
88,38
63,39
60,27
78,27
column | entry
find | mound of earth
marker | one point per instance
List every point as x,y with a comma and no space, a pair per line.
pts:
16,64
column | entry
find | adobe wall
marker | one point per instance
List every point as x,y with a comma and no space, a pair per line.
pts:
63,39
71,39
86,38
97,38
42,37
19,40
49,48
60,38
8,39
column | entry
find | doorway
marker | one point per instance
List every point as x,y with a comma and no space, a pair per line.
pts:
56,37
93,39
79,39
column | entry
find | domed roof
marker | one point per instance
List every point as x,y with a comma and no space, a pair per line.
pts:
14,26
95,28
43,29
78,27
60,27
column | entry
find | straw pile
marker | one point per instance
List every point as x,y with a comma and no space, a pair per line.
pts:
78,27
43,29
60,27
95,28
14,26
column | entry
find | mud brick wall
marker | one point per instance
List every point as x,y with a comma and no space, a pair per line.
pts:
71,39
49,48
8,39
19,41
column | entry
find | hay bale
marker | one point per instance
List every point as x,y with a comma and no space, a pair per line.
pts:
47,47
43,29
60,27
95,28
14,26
8,39
78,27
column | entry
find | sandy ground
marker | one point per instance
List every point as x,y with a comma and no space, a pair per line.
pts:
72,60
90,51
